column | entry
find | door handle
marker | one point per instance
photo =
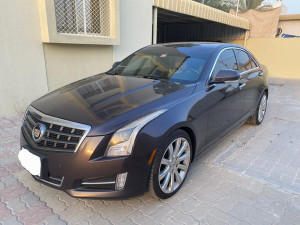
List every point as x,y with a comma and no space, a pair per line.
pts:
242,85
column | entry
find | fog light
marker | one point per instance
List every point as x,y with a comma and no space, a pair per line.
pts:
121,180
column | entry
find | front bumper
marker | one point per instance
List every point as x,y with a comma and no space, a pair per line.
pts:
67,171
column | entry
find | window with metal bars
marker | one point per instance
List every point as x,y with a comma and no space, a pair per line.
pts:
83,17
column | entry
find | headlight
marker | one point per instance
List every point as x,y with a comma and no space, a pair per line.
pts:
121,143
25,116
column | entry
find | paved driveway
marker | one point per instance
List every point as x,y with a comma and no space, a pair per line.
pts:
251,177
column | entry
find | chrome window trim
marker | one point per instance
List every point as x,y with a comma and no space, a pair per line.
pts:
66,123
233,48
250,56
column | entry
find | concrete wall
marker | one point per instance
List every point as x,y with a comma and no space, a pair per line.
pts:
263,23
279,55
234,41
30,69
135,27
66,63
22,65
290,27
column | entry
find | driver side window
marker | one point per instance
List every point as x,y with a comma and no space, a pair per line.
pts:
226,60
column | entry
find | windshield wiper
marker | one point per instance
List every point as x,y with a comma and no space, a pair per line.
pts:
112,73
155,78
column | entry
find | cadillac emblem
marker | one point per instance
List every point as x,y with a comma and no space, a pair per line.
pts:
38,132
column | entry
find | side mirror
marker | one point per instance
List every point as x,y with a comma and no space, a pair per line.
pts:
227,76
115,64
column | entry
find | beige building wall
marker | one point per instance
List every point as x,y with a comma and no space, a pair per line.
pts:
22,65
29,68
135,27
290,27
263,23
279,55
66,63
234,41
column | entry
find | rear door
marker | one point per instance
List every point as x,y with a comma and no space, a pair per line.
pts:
225,100
251,76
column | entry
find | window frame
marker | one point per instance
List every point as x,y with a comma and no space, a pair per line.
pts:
233,51
250,57
208,81
49,32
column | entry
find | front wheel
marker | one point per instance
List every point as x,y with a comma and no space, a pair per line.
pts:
260,111
171,165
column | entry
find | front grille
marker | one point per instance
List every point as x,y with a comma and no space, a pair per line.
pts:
60,135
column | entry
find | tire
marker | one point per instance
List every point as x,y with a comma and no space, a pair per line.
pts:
260,112
177,168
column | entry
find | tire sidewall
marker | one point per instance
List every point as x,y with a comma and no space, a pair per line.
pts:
156,166
257,111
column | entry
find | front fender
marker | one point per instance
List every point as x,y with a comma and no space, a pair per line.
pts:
189,115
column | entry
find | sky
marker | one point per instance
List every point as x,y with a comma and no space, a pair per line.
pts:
293,5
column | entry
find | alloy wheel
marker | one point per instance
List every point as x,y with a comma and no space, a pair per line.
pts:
262,108
174,165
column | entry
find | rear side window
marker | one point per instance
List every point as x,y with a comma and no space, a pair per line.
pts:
245,62
226,60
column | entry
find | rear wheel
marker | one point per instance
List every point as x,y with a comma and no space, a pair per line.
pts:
260,111
171,165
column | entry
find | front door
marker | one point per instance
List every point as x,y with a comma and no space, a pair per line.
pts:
226,100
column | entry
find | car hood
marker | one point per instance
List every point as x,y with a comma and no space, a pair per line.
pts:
107,102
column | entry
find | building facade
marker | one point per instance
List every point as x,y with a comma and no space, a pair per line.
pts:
289,25
46,44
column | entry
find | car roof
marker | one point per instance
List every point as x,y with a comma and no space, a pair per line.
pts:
216,45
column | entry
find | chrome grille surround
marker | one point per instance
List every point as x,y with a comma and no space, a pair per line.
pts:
61,135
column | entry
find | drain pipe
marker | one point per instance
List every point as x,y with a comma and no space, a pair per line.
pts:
246,37
154,29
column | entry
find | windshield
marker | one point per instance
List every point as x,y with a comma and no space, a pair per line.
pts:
181,64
